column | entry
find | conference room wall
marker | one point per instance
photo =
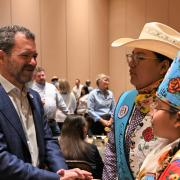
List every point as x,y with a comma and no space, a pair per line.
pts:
74,36
71,35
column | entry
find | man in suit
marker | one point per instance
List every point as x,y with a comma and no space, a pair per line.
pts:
27,150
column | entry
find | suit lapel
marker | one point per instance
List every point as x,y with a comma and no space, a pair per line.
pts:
36,118
7,108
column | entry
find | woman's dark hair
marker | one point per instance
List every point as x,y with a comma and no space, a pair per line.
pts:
72,142
86,90
161,57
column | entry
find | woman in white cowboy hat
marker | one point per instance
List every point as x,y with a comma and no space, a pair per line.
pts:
164,161
131,138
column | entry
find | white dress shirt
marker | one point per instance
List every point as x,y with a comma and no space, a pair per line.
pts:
51,99
22,106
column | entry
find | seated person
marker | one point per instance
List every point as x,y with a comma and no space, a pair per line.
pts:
74,146
164,161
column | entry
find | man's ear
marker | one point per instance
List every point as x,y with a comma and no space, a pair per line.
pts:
164,67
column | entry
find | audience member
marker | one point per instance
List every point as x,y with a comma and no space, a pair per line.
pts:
74,146
51,99
82,101
69,99
55,81
101,105
27,150
82,108
131,138
77,88
164,161
88,84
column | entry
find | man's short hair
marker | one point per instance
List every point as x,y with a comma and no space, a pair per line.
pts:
7,36
38,69
100,77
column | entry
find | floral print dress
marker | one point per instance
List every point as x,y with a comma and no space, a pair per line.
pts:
143,142
140,140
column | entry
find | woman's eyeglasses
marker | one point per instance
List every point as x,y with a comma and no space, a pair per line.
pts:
137,57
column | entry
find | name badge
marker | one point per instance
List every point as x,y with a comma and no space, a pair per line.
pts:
123,111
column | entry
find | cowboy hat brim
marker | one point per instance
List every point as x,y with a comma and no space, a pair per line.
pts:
158,46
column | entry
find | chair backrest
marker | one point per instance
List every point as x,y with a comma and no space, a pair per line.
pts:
84,165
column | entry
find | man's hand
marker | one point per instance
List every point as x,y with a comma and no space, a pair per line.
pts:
110,122
106,123
74,174
103,122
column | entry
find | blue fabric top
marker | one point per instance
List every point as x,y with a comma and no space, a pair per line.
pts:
100,103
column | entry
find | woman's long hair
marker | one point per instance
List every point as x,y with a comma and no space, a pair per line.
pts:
64,86
84,91
72,140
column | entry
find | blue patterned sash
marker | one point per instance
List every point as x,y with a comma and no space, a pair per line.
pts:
122,114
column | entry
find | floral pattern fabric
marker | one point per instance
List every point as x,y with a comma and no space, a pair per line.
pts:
161,163
174,85
172,171
144,142
169,89
148,134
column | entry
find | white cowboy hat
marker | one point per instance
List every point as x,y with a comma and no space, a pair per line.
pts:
155,37
54,78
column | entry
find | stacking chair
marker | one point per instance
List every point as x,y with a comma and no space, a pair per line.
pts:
84,165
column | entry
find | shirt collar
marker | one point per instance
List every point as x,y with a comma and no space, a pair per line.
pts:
40,86
103,92
9,87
